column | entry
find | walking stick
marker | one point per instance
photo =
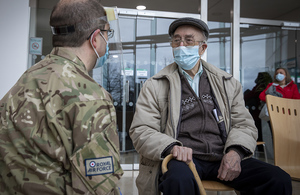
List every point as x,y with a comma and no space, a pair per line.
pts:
191,166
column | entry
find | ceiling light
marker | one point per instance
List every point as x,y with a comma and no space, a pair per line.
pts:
141,7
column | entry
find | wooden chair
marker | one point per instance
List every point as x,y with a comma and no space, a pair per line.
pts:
216,186
203,185
285,121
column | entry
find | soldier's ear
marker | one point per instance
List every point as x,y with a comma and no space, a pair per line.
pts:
95,38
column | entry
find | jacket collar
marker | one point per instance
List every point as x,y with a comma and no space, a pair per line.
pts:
66,53
290,83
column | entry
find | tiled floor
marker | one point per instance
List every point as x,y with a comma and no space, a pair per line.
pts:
127,182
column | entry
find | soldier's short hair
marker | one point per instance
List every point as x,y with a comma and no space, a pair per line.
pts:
73,21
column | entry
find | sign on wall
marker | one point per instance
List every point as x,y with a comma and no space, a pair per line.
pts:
35,45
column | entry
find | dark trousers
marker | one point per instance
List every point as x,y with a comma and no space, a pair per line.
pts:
256,178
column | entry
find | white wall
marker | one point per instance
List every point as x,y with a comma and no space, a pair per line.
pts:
14,35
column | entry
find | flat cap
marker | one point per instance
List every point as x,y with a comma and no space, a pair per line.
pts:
188,21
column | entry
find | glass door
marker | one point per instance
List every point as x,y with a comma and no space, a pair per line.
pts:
263,49
146,51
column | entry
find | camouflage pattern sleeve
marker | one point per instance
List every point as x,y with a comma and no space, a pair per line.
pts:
58,132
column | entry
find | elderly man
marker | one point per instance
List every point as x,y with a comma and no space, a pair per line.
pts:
58,132
195,111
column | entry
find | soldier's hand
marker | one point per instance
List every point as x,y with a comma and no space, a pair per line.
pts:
182,153
230,167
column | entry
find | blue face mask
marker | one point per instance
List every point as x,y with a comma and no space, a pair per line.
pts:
186,57
101,60
280,77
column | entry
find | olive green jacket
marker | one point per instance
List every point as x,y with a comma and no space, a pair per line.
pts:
58,131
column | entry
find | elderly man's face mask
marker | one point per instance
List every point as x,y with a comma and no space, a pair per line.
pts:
186,57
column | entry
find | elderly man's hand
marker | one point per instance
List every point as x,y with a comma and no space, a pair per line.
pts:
182,153
230,167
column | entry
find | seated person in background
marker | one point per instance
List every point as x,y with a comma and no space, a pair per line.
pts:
253,102
195,111
282,86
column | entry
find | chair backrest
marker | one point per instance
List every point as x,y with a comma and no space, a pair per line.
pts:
285,120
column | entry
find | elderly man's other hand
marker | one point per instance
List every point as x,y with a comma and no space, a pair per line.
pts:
182,153
230,167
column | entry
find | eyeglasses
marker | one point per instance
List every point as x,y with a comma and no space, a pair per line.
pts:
188,42
110,33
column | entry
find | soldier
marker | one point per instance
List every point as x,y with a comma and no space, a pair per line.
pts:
58,130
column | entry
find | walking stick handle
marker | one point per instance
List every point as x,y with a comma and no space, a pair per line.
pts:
191,166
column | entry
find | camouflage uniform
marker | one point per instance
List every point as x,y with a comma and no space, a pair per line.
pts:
58,132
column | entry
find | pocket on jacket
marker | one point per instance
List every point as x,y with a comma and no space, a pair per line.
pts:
98,162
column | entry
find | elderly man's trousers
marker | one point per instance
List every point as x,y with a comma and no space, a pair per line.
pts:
256,178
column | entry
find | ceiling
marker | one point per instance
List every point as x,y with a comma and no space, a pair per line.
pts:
218,10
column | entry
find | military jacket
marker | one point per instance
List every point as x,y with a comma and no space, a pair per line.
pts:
58,131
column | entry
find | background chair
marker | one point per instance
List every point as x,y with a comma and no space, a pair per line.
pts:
258,143
261,143
285,121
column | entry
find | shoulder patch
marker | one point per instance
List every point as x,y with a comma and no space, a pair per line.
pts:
99,166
